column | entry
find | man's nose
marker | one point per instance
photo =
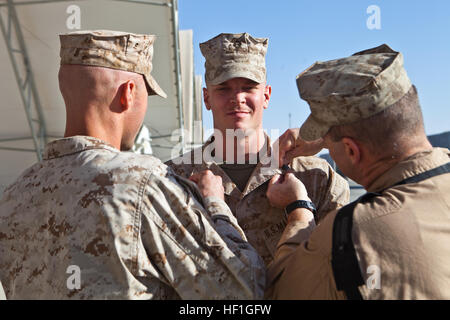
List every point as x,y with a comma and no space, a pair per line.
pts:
238,97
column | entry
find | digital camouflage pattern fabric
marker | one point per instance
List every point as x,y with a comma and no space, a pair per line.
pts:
346,90
231,55
262,223
112,49
133,228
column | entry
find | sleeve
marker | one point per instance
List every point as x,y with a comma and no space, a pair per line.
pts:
179,168
200,252
224,221
326,188
302,265
336,195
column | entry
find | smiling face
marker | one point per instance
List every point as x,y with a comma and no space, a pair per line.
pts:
237,103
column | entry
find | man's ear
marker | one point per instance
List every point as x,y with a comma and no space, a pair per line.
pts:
267,94
127,95
352,150
206,99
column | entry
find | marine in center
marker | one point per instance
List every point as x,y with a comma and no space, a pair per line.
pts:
237,93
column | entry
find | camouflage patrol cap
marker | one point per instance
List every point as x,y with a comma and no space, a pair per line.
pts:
234,56
112,49
346,90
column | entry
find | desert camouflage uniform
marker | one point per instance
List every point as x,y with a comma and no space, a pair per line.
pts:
229,56
134,229
262,223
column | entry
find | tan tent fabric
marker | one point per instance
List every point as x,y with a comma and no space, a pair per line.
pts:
41,24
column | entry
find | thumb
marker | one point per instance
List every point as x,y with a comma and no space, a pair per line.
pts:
272,182
289,176
284,149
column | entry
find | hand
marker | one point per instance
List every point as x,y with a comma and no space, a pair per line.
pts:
291,145
283,190
209,184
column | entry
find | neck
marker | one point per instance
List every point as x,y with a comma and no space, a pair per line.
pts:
88,122
239,146
384,163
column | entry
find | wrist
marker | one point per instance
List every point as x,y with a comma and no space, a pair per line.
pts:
300,204
213,195
300,215
300,197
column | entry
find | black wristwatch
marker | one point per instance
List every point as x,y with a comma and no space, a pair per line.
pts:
300,204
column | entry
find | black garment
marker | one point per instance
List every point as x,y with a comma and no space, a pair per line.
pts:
239,173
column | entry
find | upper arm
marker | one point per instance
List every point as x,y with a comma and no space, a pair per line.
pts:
326,188
182,244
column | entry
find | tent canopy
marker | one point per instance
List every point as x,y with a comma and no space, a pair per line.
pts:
32,107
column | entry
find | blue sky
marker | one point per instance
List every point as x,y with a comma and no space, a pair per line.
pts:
301,32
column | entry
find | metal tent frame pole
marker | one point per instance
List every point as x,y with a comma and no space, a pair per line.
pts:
26,83
25,78
178,73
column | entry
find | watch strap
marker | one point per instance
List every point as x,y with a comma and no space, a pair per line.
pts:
301,204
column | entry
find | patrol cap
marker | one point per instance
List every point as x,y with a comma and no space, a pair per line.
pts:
346,90
112,49
231,55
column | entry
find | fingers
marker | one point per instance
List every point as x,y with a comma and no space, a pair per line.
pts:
210,185
283,190
297,187
285,158
206,176
198,175
275,179
288,156
285,143
289,176
195,178
286,147
304,148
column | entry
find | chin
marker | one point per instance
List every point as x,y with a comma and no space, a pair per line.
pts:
240,125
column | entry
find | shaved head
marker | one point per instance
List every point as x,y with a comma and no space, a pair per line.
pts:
82,85
103,102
